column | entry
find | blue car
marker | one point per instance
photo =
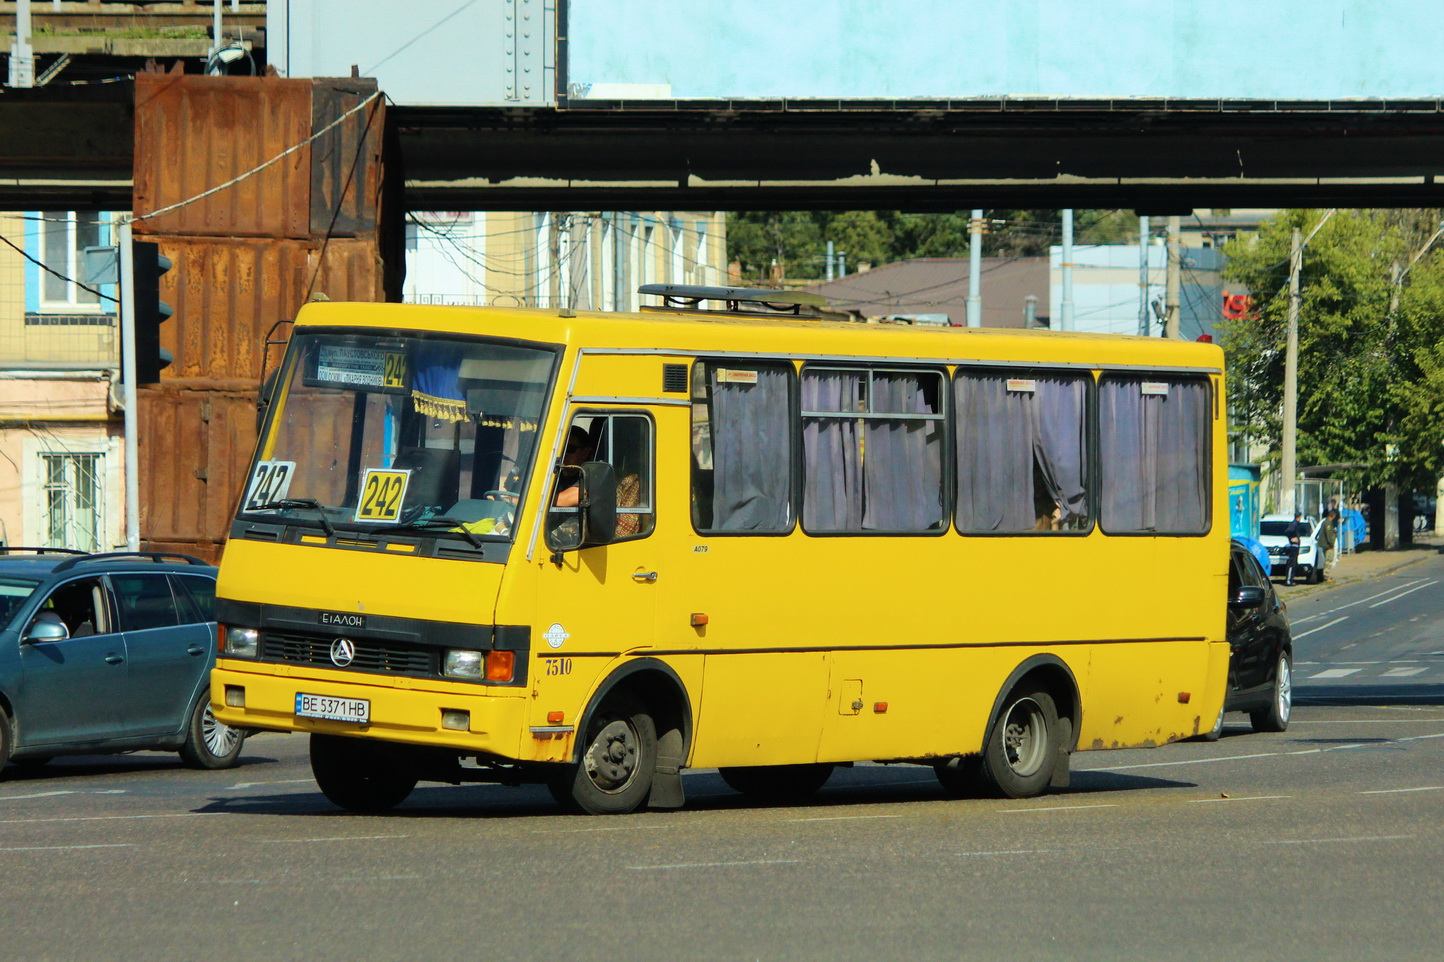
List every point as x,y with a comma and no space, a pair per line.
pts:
108,653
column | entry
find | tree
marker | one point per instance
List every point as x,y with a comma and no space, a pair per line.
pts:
1371,371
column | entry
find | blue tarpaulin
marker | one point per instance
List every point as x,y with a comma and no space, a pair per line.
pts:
1256,549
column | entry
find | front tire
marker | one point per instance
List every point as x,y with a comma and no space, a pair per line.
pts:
361,776
1022,747
1275,718
1213,733
620,754
211,743
777,782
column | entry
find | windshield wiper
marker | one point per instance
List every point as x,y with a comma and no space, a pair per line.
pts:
453,526
301,503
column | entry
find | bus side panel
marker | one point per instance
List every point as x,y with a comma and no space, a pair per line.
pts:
1174,675
762,708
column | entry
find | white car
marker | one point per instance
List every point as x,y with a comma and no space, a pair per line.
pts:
1310,565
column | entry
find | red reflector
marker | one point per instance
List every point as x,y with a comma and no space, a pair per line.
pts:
698,619
555,717
879,706
499,665
1183,697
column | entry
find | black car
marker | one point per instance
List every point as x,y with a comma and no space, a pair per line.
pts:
108,653
1261,648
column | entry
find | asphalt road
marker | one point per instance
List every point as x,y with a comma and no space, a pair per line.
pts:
1324,842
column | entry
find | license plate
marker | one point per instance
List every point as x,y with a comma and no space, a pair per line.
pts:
333,709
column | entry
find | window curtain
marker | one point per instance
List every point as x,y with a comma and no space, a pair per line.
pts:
751,452
1021,454
832,458
902,460
1155,456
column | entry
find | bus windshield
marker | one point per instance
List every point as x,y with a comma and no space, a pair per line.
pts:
383,433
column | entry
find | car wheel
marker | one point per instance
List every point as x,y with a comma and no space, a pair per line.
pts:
210,743
777,782
361,776
1275,718
4,738
1022,747
615,773
1213,733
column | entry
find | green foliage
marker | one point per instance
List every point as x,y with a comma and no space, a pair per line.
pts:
1370,367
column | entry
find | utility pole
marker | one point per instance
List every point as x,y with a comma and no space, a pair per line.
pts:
127,378
1144,229
975,269
1287,466
1175,271
22,55
1066,318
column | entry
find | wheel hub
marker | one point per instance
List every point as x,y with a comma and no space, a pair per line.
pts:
611,761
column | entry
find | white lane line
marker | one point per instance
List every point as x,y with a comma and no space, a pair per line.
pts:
1239,798
1335,673
1400,791
1020,851
1055,808
63,848
1386,591
769,861
1404,672
335,838
1304,634
287,781
1240,758
841,818
1403,593
16,798
105,818
1321,841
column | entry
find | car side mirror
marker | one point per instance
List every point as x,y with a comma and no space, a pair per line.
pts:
598,503
1248,596
44,630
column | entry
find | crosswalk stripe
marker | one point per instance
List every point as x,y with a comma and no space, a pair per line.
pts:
1404,672
1335,673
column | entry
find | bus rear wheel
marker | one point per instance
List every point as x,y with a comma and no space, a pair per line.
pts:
777,781
620,754
361,776
1022,748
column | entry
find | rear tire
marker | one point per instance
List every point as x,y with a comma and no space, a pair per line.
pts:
211,743
1022,747
5,739
361,776
619,757
1275,718
777,782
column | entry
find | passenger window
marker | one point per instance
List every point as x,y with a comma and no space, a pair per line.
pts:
625,442
1154,449
742,447
80,605
1022,452
872,443
145,601
197,597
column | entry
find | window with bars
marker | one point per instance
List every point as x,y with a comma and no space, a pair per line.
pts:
73,501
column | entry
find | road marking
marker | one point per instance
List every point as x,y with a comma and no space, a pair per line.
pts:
287,781
1398,791
1303,634
1335,673
771,861
105,818
1240,758
1371,597
334,838
840,818
1403,593
14,798
1055,808
1020,851
62,848
1239,798
1404,672
101,791
1320,841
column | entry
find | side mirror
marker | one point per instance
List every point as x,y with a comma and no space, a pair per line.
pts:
1248,596
598,503
46,629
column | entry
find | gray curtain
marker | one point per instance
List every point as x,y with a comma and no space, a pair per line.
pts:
1154,456
902,459
832,497
751,452
1020,453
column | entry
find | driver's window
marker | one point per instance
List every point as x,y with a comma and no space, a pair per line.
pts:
625,442
80,606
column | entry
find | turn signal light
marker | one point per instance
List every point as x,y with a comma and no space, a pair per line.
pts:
879,706
555,717
699,620
1183,697
500,665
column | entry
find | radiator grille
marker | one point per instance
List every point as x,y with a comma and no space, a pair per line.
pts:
387,657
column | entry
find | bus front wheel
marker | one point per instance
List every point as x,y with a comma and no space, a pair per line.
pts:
618,758
361,776
1022,748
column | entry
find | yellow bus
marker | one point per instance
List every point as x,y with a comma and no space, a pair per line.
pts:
592,550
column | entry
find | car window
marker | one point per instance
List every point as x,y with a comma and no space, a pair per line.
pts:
1235,577
197,597
81,605
145,601
1253,574
14,592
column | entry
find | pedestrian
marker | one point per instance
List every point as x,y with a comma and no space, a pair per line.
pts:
1329,538
1295,533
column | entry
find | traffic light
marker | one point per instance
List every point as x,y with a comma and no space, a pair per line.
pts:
150,311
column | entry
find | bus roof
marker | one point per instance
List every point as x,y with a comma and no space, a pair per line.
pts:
659,331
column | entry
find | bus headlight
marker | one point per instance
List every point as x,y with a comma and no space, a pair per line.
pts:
461,663
243,642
